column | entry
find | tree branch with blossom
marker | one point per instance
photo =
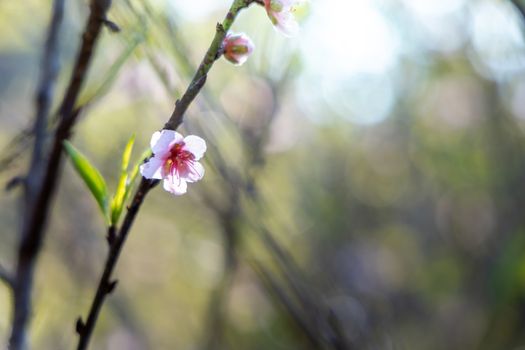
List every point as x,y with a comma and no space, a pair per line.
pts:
106,285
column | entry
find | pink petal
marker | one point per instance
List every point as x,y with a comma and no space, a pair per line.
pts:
195,172
152,168
287,24
293,3
195,145
161,141
175,185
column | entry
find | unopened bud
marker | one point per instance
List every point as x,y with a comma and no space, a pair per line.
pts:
237,47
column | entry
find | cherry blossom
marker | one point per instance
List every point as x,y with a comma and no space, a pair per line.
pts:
175,160
281,13
237,47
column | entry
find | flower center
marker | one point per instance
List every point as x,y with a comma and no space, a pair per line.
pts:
276,5
178,159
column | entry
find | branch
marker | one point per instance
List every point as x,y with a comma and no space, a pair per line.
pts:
105,285
213,53
40,192
293,310
519,7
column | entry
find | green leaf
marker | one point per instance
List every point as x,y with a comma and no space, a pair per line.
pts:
117,204
91,176
127,153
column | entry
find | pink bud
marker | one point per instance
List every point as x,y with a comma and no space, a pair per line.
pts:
237,48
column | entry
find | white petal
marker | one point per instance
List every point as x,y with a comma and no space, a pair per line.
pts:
154,139
287,24
152,168
195,172
195,145
161,141
175,185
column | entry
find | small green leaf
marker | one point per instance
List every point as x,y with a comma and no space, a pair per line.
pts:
117,203
127,153
91,176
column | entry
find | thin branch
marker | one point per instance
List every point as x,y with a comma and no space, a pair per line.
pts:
213,53
293,310
105,285
44,186
44,99
15,147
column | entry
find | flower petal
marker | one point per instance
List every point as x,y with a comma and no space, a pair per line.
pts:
287,24
161,141
195,172
175,185
152,168
195,145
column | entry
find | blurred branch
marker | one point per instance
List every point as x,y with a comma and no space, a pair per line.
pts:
229,220
316,320
105,285
44,182
317,314
44,98
520,7
289,305
18,144
111,74
6,276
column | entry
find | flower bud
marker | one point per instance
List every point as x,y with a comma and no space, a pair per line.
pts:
237,48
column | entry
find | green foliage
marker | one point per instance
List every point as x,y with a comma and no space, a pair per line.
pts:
117,203
91,176
97,185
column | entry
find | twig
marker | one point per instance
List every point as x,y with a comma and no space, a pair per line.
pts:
211,56
216,308
312,334
33,229
106,286
176,119
15,147
44,98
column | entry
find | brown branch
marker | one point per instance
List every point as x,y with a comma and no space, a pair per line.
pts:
105,285
43,188
213,53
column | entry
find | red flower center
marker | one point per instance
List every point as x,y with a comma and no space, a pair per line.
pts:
178,159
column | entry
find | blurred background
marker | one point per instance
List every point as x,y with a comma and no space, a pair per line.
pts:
364,188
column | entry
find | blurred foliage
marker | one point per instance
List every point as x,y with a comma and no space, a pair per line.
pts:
371,200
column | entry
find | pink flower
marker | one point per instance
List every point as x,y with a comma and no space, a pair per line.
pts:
237,47
175,159
281,15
